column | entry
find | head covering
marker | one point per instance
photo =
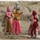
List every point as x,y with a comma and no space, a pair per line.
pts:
17,6
34,13
8,9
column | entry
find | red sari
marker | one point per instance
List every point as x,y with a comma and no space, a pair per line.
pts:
16,26
33,29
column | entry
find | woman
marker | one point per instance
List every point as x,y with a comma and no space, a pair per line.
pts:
8,21
15,23
33,29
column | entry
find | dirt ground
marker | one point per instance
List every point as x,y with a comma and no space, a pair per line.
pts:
22,36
